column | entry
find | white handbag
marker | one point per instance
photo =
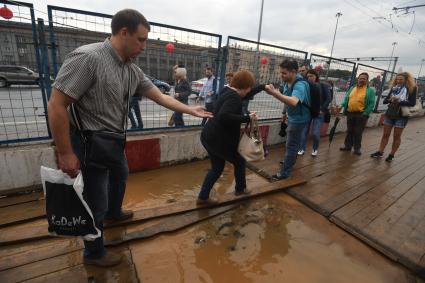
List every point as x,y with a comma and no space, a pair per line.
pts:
410,111
251,144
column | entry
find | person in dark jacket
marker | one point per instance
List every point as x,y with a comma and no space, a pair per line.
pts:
135,107
221,135
182,90
403,93
316,123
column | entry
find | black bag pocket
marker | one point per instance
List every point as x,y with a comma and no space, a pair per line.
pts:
393,111
105,149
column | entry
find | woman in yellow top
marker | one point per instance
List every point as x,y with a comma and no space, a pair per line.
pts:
358,103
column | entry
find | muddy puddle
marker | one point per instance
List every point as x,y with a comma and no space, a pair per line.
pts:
272,239
178,183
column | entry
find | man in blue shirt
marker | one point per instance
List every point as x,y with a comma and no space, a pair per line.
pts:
207,92
296,96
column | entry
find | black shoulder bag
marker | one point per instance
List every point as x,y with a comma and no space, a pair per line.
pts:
103,149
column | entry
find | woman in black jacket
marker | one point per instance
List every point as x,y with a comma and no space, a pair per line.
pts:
403,93
182,94
221,134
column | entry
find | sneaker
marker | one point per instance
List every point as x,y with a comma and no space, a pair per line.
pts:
389,158
344,148
357,152
281,162
244,192
300,152
124,215
208,201
110,259
377,154
314,153
279,177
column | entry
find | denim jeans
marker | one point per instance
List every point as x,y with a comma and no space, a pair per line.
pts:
315,125
134,106
104,190
217,166
293,138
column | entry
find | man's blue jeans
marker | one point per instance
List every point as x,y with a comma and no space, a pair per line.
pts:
293,138
104,190
315,125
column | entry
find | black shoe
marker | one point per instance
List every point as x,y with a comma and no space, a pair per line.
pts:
124,215
377,154
281,162
389,158
345,149
279,177
357,152
244,192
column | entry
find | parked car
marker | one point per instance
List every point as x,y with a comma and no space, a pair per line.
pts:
10,74
163,86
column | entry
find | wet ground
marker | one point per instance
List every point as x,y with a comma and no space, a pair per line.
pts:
270,239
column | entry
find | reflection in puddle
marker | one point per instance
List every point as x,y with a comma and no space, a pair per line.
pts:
261,241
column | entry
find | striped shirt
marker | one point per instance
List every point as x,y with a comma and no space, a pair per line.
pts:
98,79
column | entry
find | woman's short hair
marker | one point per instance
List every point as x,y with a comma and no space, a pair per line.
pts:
230,74
181,73
243,79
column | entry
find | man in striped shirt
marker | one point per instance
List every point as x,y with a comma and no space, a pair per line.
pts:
98,78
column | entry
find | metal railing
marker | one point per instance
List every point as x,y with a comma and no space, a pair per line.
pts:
263,60
71,28
42,48
22,97
337,72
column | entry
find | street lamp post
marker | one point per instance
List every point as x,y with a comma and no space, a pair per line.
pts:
391,59
339,14
420,69
257,57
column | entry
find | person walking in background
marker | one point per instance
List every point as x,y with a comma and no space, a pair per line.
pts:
221,135
182,92
134,110
316,123
358,103
403,93
296,96
207,92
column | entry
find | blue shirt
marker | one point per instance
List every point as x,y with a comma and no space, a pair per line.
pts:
299,114
207,88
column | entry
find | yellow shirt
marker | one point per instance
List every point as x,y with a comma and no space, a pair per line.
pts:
356,101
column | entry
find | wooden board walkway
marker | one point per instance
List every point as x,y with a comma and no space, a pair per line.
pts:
381,203
22,233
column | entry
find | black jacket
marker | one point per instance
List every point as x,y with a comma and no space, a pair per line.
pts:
183,89
222,133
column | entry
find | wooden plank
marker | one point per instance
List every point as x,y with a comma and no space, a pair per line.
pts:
18,199
11,235
76,274
41,271
356,199
23,212
113,237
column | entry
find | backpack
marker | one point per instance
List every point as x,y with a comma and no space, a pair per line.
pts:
314,106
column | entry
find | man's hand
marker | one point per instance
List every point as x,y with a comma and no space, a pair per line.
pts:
69,164
253,115
270,89
199,111
177,95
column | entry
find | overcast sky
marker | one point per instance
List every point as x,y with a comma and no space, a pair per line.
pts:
307,25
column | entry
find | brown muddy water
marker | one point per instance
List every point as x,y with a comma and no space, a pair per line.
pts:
269,239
